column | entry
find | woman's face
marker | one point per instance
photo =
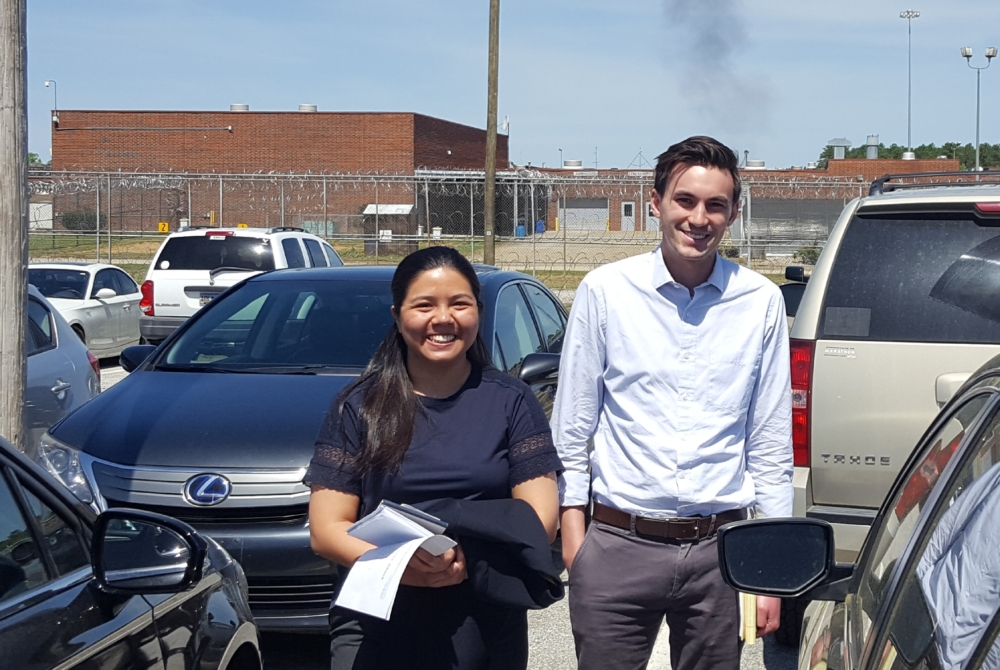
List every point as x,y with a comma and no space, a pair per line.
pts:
439,319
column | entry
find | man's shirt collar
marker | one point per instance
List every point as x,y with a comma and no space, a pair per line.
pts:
662,276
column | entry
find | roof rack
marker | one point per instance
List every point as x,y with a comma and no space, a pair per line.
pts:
282,229
883,185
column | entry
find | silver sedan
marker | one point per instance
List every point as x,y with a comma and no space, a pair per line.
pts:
62,374
100,302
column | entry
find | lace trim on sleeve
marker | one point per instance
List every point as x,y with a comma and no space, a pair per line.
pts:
334,468
533,457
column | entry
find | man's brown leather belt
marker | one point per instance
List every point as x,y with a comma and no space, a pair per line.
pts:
688,528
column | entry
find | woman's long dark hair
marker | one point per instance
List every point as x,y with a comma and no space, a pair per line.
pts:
389,404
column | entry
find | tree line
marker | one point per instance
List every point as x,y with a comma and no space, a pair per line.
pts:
989,154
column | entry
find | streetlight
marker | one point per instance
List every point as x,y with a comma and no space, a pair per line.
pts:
55,99
909,15
560,158
991,53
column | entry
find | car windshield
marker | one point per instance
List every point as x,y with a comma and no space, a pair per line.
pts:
207,252
54,283
286,327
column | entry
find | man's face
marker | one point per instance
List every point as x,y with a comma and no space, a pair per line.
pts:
695,210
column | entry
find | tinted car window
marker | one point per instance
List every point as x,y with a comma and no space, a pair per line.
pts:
40,325
897,526
515,329
792,293
550,318
939,284
104,279
270,325
293,253
950,591
68,284
216,251
316,256
21,564
63,545
332,256
125,283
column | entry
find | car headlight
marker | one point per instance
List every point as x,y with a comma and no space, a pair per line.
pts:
63,461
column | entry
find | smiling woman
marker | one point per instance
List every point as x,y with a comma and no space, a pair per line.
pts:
430,419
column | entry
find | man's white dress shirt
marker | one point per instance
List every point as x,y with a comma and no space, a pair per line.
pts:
687,398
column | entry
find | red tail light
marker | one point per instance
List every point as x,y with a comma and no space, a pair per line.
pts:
802,354
146,302
96,364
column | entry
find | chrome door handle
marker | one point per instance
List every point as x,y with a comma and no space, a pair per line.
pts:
61,387
127,307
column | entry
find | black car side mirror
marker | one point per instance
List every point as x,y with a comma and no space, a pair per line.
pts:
143,552
536,367
781,557
796,273
132,357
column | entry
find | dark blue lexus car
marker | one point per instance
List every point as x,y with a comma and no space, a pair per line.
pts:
216,426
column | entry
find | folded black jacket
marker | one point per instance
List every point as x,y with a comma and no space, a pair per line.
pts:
507,552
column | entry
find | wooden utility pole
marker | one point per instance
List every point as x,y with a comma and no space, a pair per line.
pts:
489,195
13,218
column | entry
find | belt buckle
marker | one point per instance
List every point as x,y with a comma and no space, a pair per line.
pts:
684,529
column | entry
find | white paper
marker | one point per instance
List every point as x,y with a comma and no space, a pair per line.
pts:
394,524
371,585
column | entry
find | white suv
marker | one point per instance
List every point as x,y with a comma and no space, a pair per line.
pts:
902,306
195,265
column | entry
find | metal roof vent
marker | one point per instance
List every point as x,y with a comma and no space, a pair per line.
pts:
755,164
811,165
239,107
909,156
871,147
307,108
570,164
840,145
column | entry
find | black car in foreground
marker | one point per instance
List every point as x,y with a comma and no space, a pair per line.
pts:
925,591
217,426
124,590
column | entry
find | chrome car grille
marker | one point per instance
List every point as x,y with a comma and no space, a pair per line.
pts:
257,494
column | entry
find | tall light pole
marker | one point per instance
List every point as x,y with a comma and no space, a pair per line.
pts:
55,97
909,15
991,53
560,158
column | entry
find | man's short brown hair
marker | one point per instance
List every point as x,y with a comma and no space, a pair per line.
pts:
698,150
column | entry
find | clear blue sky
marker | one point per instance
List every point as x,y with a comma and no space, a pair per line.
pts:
776,77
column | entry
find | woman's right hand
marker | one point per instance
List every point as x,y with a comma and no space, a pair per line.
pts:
425,569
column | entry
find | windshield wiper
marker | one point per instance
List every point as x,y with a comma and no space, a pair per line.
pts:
227,268
172,367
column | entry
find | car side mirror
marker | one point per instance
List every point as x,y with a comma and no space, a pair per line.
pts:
796,273
132,357
536,367
143,552
779,557
105,294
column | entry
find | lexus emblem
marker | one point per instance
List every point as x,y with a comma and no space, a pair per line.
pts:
208,489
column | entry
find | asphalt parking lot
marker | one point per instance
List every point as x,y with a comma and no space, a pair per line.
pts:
550,638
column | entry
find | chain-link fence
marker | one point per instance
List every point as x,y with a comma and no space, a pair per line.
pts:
556,225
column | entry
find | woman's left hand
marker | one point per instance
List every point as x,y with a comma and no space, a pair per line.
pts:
427,570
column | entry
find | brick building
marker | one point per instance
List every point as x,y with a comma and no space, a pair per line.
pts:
380,148
238,142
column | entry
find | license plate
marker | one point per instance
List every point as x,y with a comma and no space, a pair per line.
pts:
207,298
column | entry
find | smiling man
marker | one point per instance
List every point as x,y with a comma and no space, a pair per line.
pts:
676,365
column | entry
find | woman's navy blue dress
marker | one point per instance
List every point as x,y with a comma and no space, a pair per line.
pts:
477,444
